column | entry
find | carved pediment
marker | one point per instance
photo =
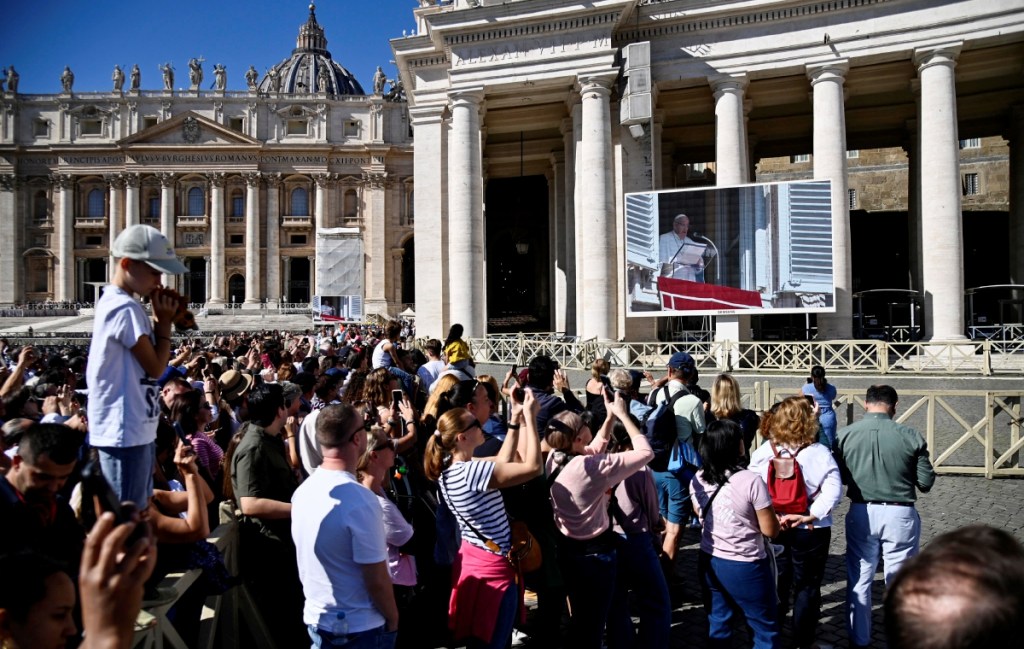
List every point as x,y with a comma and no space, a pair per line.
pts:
188,128
89,111
295,111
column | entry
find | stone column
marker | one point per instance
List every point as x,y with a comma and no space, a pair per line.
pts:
375,244
64,269
131,199
396,275
312,276
287,272
323,183
732,168
11,261
465,214
167,217
830,164
430,226
942,223
274,236
215,269
252,237
1016,215
913,151
572,280
597,210
209,279
559,275
114,214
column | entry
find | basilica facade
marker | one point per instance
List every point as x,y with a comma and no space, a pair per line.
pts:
533,118
244,183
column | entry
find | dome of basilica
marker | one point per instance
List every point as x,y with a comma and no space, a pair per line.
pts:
310,68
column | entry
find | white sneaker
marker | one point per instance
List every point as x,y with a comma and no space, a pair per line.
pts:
519,639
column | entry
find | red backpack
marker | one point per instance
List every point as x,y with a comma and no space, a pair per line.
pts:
786,484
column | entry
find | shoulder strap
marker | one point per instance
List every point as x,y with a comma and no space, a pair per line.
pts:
707,507
554,474
491,545
775,451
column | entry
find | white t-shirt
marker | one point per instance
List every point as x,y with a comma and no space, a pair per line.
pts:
309,448
464,487
124,403
338,527
429,372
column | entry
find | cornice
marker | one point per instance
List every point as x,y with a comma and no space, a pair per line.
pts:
660,20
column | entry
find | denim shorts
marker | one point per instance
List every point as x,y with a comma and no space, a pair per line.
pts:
671,496
129,470
370,639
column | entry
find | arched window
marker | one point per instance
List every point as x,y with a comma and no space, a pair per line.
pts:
300,202
95,205
196,202
237,203
351,204
40,208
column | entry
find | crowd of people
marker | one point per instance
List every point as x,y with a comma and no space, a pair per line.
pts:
391,495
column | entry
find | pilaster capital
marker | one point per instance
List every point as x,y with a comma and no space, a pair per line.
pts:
557,158
166,179
466,97
323,180
206,258
62,181
311,258
115,181
944,54
274,179
132,180
423,115
596,84
724,84
397,253
217,178
252,178
285,258
374,179
8,182
831,71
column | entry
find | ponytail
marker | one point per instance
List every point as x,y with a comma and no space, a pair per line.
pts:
438,455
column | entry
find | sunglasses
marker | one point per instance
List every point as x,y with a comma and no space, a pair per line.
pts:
384,445
475,424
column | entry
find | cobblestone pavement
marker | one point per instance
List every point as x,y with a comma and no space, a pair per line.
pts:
954,502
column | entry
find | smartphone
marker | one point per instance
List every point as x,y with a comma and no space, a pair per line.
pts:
396,397
609,393
95,488
515,370
180,432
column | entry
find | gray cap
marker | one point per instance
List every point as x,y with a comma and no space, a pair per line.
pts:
146,243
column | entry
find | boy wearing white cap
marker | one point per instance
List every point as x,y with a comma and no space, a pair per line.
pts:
128,354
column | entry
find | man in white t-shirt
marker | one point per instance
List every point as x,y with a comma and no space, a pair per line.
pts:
338,529
127,355
431,370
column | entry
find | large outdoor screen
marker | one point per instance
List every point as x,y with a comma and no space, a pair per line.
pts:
764,248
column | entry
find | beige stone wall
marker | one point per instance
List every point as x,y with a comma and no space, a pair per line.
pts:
880,176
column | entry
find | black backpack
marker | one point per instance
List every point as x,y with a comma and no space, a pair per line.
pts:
659,426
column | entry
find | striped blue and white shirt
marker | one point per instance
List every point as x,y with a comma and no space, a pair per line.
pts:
464,486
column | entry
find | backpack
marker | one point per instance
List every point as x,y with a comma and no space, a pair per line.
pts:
786,484
659,426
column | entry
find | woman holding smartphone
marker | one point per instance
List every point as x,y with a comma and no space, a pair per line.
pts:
485,600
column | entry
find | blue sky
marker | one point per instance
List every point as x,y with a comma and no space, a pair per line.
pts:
40,37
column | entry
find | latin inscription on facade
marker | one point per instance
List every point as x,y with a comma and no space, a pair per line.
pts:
530,49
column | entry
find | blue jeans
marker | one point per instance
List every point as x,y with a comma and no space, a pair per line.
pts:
892,532
370,639
590,583
801,570
729,586
129,470
503,625
639,570
827,435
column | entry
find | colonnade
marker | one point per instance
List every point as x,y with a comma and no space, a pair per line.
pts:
584,282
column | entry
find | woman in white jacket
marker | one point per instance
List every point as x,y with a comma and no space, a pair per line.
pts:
806,532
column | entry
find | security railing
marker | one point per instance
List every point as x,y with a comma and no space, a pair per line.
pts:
968,431
869,356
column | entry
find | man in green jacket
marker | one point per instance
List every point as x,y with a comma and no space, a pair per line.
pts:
883,463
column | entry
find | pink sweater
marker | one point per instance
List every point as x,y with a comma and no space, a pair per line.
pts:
580,493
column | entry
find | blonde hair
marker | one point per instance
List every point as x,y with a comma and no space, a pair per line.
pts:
621,379
374,437
442,386
599,368
437,455
794,423
725,396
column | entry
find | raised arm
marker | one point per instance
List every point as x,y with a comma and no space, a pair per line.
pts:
528,466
